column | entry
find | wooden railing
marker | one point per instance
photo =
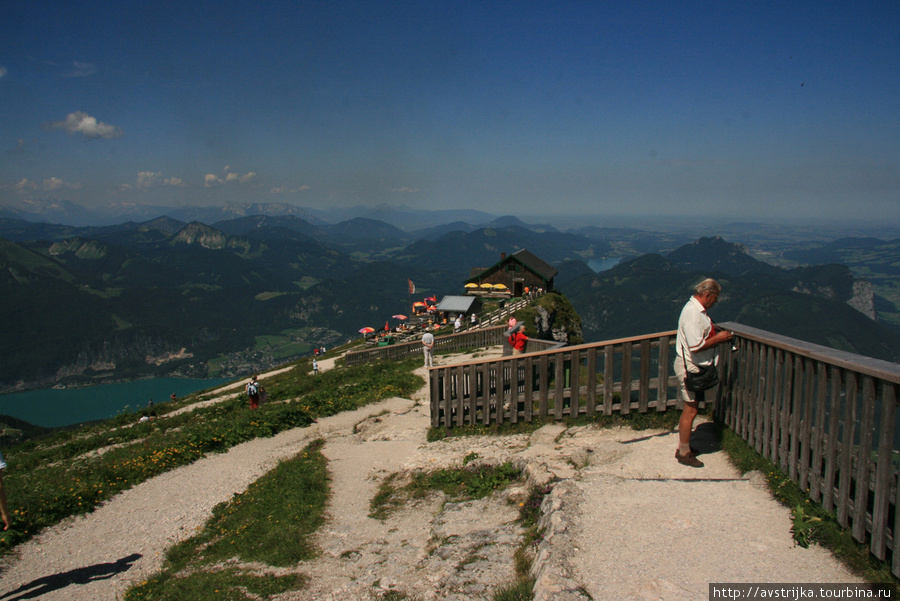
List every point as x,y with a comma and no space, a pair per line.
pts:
827,418
469,339
568,381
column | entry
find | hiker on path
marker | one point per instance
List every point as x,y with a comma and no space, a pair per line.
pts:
694,349
315,367
428,348
4,508
253,389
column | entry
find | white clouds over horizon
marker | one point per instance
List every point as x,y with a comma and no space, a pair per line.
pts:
80,122
211,180
51,184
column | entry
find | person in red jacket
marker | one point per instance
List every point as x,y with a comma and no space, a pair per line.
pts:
518,339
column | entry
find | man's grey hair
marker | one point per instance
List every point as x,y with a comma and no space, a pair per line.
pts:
706,286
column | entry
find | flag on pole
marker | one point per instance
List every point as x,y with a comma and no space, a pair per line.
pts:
412,287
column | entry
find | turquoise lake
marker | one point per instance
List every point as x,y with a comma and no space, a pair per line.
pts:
53,408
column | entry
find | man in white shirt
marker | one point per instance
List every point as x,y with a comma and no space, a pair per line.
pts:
428,348
694,348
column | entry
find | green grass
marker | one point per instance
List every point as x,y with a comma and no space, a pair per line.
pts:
470,482
55,477
522,588
811,523
271,523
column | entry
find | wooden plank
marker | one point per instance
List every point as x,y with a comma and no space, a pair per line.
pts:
756,395
575,384
434,394
625,407
787,388
662,387
848,430
818,433
796,418
486,398
883,476
741,391
777,401
529,389
591,401
644,383
608,355
559,387
806,427
544,381
448,395
768,393
831,441
459,386
514,383
863,453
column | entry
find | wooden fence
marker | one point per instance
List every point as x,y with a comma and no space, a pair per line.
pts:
573,380
829,419
469,339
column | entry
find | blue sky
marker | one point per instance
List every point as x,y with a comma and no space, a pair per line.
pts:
737,110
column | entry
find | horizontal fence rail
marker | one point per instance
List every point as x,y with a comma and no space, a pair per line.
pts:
477,338
828,419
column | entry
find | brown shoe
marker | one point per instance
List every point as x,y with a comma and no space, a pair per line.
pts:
688,459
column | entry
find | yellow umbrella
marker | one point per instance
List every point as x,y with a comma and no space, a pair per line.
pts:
487,285
499,287
471,285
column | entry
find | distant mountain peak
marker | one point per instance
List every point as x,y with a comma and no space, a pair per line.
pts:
199,233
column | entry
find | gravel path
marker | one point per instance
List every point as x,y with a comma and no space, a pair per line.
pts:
624,521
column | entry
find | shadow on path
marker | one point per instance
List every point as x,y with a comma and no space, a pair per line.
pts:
705,438
85,575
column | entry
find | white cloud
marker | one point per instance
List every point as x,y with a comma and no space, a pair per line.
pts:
211,179
81,69
148,179
25,186
152,179
54,183
80,122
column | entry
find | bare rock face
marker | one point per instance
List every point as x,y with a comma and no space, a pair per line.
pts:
558,322
863,299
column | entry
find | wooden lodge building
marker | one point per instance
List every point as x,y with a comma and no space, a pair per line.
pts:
517,271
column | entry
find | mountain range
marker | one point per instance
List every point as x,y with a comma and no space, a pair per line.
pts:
166,296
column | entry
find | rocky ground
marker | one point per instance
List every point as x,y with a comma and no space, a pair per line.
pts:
624,521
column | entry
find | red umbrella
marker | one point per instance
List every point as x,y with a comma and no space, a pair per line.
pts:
399,316
367,330
387,328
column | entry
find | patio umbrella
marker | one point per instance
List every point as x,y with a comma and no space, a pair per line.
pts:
387,328
471,285
399,316
418,304
499,286
487,285
367,330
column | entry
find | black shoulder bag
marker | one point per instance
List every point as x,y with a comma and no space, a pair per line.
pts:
706,378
